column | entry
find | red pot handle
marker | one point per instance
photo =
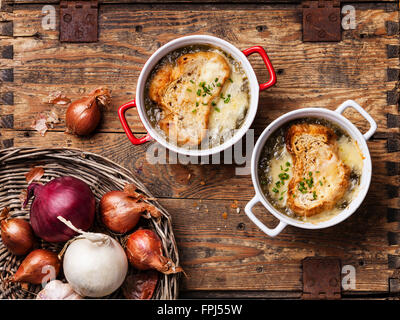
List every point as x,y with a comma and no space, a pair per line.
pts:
121,115
270,68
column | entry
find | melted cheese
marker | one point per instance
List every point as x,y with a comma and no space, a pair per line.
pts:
350,154
275,168
225,117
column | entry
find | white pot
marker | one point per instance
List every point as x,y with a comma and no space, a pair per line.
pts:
240,56
336,118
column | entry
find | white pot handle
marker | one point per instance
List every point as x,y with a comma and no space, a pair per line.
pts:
365,114
271,232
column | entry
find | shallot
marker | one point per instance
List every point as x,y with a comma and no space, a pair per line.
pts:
120,211
95,264
144,251
17,234
83,115
38,266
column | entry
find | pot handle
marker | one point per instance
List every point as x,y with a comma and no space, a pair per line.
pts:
365,114
121,114
271,232
268,64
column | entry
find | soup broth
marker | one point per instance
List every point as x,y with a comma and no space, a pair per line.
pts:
275,170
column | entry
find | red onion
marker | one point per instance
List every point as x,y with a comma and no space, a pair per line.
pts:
68,197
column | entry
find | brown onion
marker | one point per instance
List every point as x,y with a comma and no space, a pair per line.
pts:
17,235
144,251
83,115
38,264
120,211
140,286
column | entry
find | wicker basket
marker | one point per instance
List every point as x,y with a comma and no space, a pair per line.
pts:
102,175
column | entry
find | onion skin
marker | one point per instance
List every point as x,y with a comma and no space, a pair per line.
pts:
140,286
144,252
31,269
68,197
17,235
83,115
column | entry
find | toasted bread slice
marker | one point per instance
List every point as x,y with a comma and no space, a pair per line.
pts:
185,93
159,82
320,178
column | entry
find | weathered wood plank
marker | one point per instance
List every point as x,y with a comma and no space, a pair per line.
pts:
232,253
32,100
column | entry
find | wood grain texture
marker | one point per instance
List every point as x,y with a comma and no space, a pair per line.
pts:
227,254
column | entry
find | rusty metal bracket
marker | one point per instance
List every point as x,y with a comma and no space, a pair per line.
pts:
321,20
79,21
321,278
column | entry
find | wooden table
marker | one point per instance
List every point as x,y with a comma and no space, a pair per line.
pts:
224,257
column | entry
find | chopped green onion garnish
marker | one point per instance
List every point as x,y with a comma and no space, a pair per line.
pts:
275,190
281,198
287,164
216,80
230,80
314,195
218,84
194,110
198,92
217,109
189,90
284,176
192,81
